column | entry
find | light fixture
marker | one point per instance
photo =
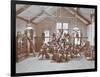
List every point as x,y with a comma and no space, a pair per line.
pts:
29,24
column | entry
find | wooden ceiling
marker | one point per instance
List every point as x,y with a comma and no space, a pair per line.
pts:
36,13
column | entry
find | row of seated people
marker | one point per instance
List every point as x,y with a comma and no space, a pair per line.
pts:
60,53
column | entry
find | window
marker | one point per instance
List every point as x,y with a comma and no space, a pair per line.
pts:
47,34
76,36
58,27
62,26
65,27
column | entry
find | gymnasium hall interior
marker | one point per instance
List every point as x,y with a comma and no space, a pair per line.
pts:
54,38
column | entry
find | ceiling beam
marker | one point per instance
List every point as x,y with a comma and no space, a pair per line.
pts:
79,16
82,16
22,9
42,12
37,16
24,19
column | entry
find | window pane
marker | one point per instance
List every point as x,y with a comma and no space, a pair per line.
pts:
65,25
77,41
79,33
58,26
77,38
46,40
46,33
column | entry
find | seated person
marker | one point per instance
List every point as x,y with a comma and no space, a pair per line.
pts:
75,52
88,54
61,54
43,52
67,52
55,56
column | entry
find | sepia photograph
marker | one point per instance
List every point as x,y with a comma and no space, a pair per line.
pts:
54,38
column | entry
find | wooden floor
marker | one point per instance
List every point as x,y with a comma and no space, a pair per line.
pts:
32,64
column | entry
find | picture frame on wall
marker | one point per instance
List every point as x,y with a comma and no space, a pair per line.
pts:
52,38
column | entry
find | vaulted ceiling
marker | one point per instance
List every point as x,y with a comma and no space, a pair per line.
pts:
36,14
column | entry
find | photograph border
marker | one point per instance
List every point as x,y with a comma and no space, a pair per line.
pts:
13,37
